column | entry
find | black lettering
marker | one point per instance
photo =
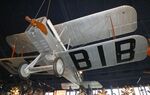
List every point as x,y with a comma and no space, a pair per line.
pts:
101,54
78,62
129,51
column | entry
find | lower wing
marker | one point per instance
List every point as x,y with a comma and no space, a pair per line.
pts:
12,64
110,53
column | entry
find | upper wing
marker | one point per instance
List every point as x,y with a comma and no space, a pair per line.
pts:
22,43
110,53
120,20
41,38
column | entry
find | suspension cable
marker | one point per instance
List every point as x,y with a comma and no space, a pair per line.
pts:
39,9
47,13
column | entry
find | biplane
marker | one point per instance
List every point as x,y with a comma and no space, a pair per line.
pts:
87,43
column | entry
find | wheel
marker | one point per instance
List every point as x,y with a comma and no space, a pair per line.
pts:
22,72
59,67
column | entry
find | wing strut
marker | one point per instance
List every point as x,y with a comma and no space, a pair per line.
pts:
13,49
113,29
148,48
56,34
22,52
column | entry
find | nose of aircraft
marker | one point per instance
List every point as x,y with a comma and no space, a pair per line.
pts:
38,24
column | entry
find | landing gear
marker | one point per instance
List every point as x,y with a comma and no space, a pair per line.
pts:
59,67
22,72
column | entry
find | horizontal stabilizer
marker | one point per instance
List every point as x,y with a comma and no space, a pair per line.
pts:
86,84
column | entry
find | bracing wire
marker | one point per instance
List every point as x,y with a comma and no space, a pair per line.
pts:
47,13
40,9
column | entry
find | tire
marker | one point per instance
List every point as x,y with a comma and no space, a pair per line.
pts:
22,74
55,67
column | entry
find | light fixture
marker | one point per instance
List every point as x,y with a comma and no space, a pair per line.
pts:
15,91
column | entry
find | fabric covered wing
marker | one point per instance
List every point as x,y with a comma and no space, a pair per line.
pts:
22,43
12,64
106,54
98,26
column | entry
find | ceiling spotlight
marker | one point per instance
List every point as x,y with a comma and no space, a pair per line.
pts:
10,75
80,72
15,91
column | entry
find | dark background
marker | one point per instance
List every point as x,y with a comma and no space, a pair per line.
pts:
12,13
